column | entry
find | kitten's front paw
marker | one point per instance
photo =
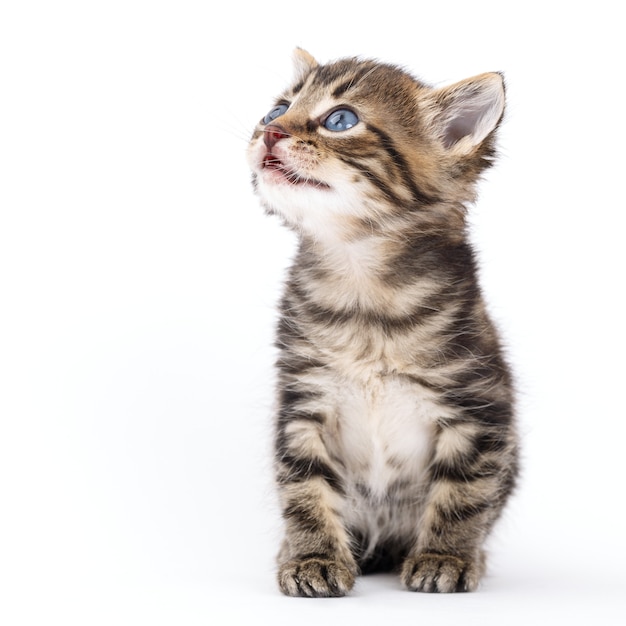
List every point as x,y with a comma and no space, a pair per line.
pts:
440,573
315,577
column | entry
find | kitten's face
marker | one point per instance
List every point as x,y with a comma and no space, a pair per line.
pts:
312,154
353,144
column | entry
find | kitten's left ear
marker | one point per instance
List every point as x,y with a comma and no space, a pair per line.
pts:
303,64
466,112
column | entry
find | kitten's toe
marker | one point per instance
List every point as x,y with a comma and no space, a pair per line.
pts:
440,573
315,578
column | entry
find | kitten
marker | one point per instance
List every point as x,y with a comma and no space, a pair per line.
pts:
395,439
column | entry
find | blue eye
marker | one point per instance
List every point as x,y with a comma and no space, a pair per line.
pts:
341,119
277,111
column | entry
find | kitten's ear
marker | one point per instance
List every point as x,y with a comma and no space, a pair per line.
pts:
303,64
466,112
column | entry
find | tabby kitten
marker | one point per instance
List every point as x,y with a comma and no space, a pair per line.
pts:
395,438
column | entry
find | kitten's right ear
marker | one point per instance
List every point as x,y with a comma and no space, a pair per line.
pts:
303,64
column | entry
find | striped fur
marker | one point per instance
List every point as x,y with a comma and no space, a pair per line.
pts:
395,441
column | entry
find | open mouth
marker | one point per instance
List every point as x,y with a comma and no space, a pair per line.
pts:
288,174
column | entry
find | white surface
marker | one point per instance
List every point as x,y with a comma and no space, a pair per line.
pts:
138,278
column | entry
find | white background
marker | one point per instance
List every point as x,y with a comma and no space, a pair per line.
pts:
138,278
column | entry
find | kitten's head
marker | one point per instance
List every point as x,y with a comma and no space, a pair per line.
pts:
359,144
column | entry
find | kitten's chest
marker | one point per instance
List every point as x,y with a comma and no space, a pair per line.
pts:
381,432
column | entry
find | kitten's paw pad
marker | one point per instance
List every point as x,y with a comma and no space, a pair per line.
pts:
440,573
315,578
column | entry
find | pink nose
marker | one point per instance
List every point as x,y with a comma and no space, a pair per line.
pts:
272,135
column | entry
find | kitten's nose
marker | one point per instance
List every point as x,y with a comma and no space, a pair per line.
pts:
272,135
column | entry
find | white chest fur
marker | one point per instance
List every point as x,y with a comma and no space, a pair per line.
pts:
382,432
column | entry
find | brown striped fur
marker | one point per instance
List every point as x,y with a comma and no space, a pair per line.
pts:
395,440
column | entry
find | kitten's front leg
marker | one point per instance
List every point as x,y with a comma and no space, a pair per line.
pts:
447,556
315,559
466,495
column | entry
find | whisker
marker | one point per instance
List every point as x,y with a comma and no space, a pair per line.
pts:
239,130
